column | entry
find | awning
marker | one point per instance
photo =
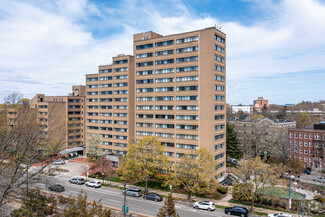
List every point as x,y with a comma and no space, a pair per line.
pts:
67,151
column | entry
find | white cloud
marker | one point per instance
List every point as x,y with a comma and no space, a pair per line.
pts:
46,46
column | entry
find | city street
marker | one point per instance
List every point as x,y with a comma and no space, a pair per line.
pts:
114,198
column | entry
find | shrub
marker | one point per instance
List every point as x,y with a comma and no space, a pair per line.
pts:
276,203
216,196
242,191
221,189
320,198
270,202
265,201
283,205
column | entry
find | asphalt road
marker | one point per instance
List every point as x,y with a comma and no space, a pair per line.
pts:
114,198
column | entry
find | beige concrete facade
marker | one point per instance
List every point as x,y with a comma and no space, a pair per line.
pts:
176,91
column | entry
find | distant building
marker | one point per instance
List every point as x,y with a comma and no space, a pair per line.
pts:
244,108
260,103
308,145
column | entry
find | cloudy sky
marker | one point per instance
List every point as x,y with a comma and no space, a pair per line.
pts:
275,48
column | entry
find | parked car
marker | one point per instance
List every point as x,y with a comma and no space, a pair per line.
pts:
153,196
57,188
280,214
306,172
94,184
207,205
135,192
77,180
237,210
319,179
58,162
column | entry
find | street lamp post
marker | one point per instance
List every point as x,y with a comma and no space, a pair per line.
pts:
290,191
125,209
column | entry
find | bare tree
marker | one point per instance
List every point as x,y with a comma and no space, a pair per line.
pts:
22,143
94,148
14,98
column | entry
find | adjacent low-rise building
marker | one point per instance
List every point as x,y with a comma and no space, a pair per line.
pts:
308,145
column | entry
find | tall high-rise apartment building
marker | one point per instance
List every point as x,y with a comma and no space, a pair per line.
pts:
173,88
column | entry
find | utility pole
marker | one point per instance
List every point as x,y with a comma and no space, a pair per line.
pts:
125,208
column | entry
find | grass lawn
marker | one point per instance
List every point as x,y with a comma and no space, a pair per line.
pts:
281,192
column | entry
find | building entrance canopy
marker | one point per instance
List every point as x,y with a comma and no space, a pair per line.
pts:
67,151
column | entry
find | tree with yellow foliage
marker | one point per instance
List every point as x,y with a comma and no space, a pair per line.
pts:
196,172
257,175
143,159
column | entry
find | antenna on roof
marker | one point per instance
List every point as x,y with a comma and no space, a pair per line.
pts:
218,26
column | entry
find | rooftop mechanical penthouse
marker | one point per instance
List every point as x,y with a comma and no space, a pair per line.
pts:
174,88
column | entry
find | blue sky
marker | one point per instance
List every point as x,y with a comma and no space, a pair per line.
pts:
275,48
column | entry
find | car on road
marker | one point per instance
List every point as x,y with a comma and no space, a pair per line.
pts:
94,184
237,210
207,205
57,188
153,196
135,192
77,180
306,172
280,214
58,162
319,179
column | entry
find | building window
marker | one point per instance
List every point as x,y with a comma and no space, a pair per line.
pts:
170,154
144,55
105,70
165,116
120,62
92,79
164,43
169,126
219,39
144,107
218,48
164,80
187,127
92,93
186,40
306,136
219,78
187,78
165,135
105,92
219,117
147,72
144,90
219,136
105,85
164,89
144,125
187,88
120,99
168,61
187,49
219,107
164,52
219,68
186,136
164,107
144,133
187,146
106,99
291,135
187,59
121,77
187,107
187,98
219,88
219,156
145,81
219,98
300,135
144,116
187,69
219,58
150,63
219,146
296,135
164,71
144,46
121,92
120,84
164,98
92,86
219,127
187,117
120,107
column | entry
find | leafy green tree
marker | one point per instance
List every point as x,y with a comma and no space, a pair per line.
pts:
168,210
233,149
143,159
195,173
303,120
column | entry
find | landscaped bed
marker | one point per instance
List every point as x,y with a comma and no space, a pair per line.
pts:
282,192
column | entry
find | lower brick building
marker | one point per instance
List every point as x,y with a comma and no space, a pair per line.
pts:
308,145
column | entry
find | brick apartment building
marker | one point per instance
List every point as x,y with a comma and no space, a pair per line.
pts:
172,88
62,116
260,103
308,145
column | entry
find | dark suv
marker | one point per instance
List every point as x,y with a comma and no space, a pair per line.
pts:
57,188
78,181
